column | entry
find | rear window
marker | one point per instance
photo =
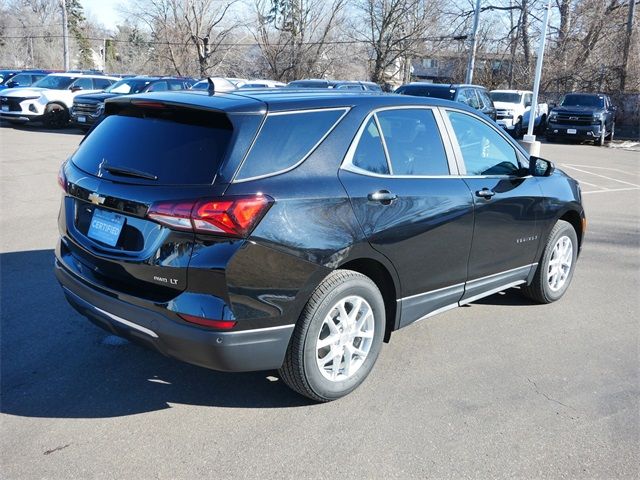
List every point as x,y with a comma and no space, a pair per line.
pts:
178,147
287,139
445,93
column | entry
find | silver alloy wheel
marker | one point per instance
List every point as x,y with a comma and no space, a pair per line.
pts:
560,263
345,338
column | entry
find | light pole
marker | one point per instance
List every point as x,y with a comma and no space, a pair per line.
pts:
472,53
529,140
65,34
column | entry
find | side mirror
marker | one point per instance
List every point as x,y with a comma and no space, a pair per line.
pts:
75,88
553,105
11,84
527,104
539,167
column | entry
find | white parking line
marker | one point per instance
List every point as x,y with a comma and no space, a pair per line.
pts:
582,182
611,190
601,176
600,168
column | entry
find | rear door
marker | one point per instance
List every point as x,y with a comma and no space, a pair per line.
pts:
402,180
508,204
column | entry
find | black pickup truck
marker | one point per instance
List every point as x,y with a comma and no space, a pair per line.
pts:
582,116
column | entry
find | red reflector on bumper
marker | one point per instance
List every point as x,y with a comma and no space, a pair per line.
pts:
206,322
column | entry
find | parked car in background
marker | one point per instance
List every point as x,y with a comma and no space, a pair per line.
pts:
50,99
475,96
25,78
263,84
296,230
513,108
88,109
7,74
221,84
582,116
336,84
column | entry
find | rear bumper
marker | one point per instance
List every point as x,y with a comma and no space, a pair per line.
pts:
238,351
582,132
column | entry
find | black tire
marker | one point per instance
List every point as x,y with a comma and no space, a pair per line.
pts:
543,125
300,370
539,289
603,135
55,116
612,132
517,129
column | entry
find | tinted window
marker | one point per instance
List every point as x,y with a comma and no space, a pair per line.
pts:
579,100
485,99
158,87
506,97
413,141
83,83
308,84
484,150
445,93
284,140
176,85
54,82
468,97
370,153
180,147
21,79
101,83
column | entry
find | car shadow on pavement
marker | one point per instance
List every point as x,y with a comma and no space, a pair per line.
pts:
509,298
55,363
39,128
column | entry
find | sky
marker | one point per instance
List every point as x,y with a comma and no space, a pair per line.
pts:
104,11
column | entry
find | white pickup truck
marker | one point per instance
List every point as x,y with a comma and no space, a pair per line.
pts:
49,100
513,109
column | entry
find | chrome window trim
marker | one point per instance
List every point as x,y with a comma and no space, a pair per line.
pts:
299,162
347,162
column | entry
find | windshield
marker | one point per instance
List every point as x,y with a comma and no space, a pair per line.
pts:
128,85
55,82
445,93
506,97
578,100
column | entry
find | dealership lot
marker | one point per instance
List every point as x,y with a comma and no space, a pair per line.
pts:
500,388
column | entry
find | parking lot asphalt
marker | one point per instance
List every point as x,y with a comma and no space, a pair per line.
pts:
501,388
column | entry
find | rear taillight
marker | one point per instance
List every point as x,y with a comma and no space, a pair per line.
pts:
62,178
235,216
206,322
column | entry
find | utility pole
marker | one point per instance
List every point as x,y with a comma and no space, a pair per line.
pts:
627,45
529,139
65,34
472,52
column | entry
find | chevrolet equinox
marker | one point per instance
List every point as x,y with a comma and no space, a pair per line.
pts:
297,229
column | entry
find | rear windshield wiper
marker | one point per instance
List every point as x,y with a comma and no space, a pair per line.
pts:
129,172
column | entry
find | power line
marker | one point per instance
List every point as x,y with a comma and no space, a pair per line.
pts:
226,44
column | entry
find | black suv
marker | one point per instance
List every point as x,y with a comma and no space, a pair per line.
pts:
88,110
582,116
296,230
475,96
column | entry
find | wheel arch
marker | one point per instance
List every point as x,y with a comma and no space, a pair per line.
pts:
384,279
575,219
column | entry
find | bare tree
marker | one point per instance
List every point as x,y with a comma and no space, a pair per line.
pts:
189,35
295,36
393,30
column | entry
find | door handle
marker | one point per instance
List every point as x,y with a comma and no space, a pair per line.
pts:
383,196
485,193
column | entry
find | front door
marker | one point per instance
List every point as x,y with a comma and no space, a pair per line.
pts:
508,205
398,175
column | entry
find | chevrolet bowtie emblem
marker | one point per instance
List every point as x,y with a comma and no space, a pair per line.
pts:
96,199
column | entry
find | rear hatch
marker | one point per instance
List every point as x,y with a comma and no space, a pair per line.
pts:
144,153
